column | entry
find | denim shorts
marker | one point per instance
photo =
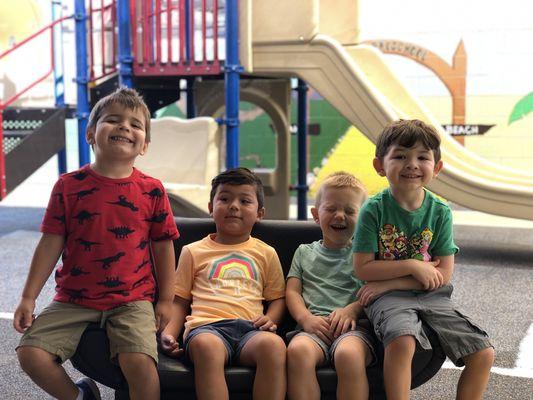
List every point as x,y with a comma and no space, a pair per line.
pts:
234,333
399,313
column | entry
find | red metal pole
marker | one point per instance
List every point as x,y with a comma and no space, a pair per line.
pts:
191,31
169,31
145,35
215,29
113,32
102,34
134,22
91,45
157,17
204,38
182,30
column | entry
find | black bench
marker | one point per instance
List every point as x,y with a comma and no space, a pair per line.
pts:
177,379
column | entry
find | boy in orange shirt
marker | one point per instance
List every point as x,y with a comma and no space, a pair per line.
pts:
224,279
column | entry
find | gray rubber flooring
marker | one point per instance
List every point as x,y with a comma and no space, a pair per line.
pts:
493,282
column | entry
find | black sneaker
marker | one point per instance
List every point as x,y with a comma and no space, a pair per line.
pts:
89,388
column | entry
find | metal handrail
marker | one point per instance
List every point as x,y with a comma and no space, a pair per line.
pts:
12,99
9,101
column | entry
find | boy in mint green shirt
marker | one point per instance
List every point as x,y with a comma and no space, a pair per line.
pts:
404,241
320,295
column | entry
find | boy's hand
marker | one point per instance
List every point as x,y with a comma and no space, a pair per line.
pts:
24,317
370,291
341,321
170,346
163,313
428,275
264,323
319,326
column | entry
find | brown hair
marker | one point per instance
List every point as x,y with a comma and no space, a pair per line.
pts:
340,179
239,176
407,133
126,97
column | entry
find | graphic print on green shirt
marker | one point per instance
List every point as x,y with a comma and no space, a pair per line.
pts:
393,233
395,245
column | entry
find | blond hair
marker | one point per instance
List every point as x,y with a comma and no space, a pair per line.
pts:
340,179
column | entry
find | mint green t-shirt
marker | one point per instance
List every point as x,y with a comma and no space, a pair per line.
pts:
327,277
393,233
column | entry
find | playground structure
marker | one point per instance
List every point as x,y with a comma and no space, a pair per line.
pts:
153,45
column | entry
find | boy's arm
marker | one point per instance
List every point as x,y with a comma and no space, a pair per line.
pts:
309,322
169,335
373,289
369,269
445,267
44,259
275,311
165,264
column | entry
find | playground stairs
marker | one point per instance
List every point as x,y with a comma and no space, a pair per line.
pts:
31,137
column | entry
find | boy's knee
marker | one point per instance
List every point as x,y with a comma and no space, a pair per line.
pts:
137,367
299,354
270,346
482,358
207,345
401,344
350,354
31,358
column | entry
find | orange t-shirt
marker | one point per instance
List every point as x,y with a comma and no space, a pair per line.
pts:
227,281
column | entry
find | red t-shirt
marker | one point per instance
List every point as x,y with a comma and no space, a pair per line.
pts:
108,225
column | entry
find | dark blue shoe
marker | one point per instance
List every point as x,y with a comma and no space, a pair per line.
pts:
89,388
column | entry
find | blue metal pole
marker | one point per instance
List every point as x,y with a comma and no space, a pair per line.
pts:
302,150
191,108
231,80
82,80
188,39
125,58
59,83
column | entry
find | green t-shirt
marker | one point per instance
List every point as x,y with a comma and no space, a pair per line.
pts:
393,233
327,277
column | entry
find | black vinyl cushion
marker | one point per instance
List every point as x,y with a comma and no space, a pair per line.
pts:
177,379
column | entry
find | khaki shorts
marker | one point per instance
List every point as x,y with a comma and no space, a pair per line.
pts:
58,329
400,313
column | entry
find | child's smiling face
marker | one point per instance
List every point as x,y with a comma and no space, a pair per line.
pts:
119,134
408,168
337,215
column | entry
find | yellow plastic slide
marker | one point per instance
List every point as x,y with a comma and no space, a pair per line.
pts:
357,81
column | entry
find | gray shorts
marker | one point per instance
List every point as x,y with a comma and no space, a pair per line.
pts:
361,331
401,313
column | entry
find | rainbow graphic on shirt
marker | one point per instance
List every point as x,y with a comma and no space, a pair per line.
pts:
234,266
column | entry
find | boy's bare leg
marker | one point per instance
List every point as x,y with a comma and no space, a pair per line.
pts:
352,355
397,367
267,352
303,356
209,356
141,374
475,376
43,368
